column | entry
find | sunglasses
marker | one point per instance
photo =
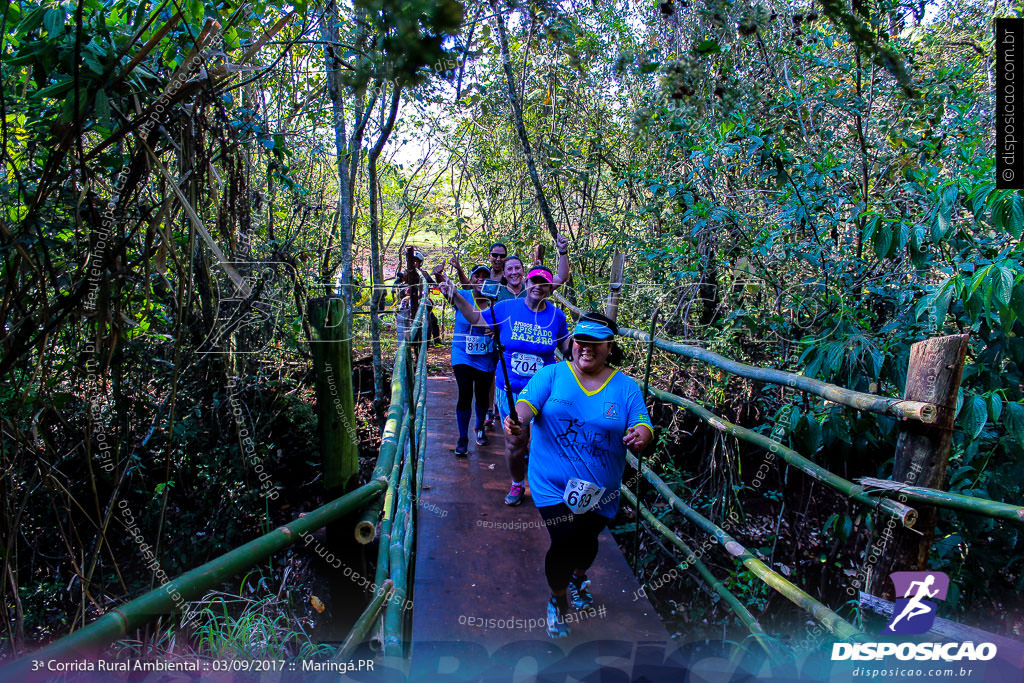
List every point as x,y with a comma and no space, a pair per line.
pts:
495,254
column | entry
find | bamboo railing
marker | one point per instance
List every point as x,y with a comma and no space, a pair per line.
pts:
738,608
878,494
194,583
407,411
826,617
899,408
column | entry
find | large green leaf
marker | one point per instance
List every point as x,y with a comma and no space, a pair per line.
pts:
973,416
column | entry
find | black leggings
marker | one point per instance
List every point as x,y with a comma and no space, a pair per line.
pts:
573,542
472,383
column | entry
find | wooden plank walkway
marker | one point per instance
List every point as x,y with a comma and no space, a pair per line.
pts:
479,581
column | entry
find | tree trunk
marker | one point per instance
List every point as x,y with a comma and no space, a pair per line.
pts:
335,322
376,260
517,121
922,452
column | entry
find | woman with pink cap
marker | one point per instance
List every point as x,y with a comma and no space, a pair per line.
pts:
530,329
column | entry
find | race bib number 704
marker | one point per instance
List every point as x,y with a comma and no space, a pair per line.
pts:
526,364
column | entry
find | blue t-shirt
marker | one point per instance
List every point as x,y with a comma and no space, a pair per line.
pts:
578,434
471,345
529,338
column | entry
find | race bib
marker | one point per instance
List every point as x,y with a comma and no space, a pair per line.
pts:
478,346
581,496
526,364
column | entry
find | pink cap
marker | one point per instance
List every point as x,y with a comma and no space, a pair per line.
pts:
542,273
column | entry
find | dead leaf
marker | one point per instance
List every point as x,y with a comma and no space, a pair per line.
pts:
317,603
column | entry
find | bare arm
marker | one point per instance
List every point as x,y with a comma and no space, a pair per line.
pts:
458,268
467,309
562,276
524,413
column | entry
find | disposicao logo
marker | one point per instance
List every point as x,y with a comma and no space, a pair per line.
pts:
914,614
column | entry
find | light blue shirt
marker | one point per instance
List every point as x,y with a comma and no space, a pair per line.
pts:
578,433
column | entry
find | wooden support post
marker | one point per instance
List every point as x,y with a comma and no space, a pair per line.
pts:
922,452
611,309
331,347
538,255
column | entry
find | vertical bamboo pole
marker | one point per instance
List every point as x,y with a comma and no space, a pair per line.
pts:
611,309
331,347
922,452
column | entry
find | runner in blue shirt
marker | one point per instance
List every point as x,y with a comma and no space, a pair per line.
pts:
586,414
530,329
473,361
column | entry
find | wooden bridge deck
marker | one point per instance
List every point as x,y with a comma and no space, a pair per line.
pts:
479,583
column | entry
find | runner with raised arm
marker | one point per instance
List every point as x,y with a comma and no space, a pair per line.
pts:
531,329
473,362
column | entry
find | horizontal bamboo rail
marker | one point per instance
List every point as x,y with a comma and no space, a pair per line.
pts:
119,621
825,616
899,408
738,608
943,499
904,513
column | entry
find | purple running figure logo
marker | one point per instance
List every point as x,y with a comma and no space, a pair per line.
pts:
913,613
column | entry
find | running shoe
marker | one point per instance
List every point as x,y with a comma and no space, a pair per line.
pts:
462,447
515,494
481,437
489,422
557,628
579,595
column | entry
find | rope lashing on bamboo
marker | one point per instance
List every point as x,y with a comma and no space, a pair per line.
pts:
944,499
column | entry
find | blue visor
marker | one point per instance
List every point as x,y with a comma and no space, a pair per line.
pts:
591,329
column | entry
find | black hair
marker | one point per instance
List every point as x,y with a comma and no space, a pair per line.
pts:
498,244
513,257
615,355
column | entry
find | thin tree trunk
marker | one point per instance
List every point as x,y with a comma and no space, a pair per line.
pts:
376,261
517,121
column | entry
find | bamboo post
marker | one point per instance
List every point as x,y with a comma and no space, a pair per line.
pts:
331,348
922,451
611,309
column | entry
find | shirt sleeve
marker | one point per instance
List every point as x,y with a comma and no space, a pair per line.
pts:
636,408
538,389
